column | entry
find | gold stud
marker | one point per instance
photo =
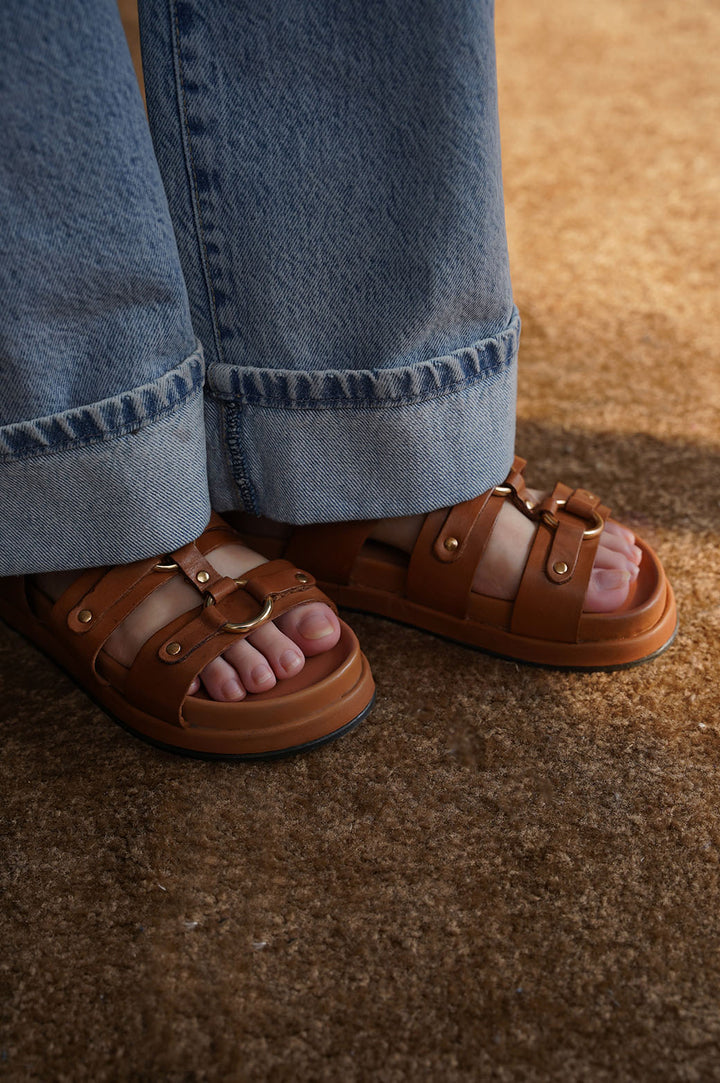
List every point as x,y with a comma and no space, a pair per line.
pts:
173,648
202,577
560,567
85,616
301,577
451,544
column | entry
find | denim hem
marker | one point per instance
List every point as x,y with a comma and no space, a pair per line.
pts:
309,447
130,411
353,389
111,482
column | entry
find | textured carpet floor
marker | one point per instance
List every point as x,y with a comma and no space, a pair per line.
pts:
504,874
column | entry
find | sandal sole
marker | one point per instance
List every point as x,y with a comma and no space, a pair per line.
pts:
304,733
586,657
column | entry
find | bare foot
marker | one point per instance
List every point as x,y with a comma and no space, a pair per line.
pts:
499,572
276,650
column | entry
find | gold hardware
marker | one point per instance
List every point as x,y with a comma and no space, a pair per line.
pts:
202,577
596,529
451,544
560,567
248,625
591,532
301,577
173,648
85,616
166,566
533,511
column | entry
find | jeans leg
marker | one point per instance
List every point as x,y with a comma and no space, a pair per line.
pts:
102,450
333,173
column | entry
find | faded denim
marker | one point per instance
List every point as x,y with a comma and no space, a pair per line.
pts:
102,449
333,177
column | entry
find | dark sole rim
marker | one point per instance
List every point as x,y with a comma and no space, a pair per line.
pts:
521,661
247,757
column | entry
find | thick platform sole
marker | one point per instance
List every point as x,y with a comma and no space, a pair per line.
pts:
591,656
280,723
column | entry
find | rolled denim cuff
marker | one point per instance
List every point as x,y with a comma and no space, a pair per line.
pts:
112,482
309,447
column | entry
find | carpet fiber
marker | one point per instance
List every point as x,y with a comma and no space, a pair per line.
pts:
505,873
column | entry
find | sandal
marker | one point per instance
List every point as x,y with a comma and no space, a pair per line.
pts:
432,588
331,694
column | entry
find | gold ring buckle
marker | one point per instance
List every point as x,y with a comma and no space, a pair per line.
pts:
552,521
166,566
248,625
532,511
597,528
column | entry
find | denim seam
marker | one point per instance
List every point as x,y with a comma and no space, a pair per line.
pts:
311,405
242,481
190,164
114,434
358,405
237,457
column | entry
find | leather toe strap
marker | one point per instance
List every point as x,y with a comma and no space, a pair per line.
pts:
551,597
170,660
228,609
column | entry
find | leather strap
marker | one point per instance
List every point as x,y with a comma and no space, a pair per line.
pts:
99,600
339,544
550,607
159,678
440,574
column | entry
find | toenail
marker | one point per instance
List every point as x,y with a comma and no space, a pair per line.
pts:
291,661
315,626
612,578
262,675
232,689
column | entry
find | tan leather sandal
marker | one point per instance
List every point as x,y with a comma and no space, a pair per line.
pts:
330,695
432,589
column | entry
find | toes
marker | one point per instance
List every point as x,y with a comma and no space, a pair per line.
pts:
314,627
221,681
619,542
619,531
280,652
614,558
274,651
608,589
250,666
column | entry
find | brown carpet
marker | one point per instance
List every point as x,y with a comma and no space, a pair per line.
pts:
505,873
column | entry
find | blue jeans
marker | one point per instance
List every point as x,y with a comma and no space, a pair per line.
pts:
294,300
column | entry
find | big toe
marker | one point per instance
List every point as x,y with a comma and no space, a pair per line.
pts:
314,628
608,589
